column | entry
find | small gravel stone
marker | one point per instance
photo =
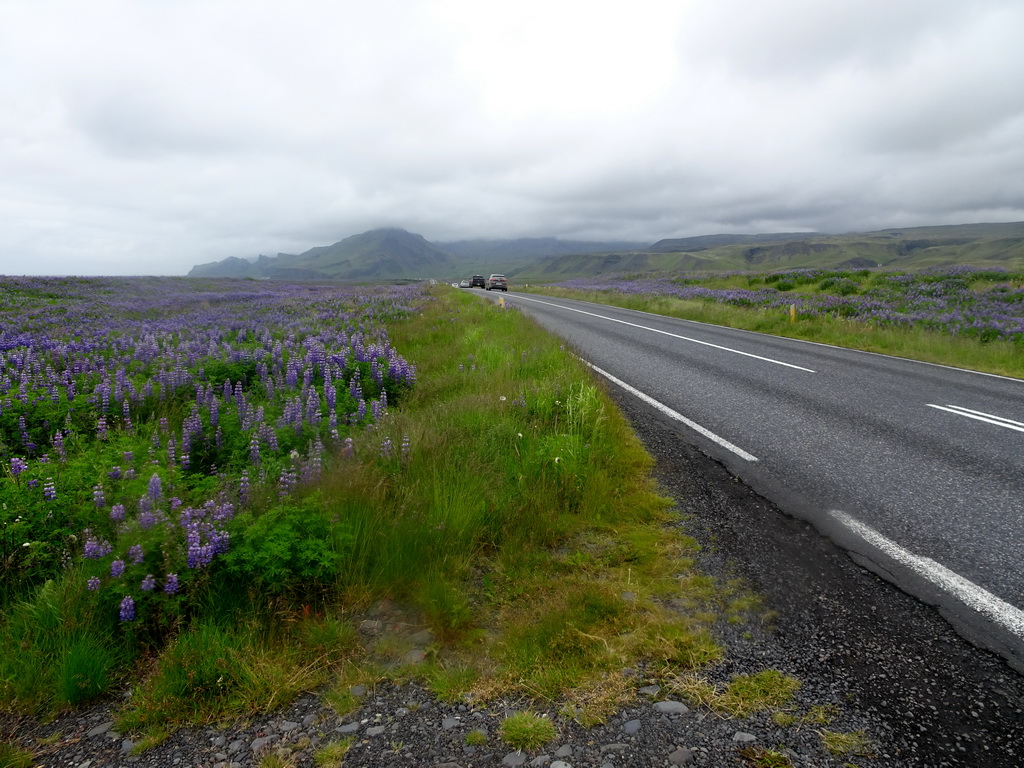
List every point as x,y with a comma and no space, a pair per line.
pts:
101,729
260,743
671,707
682,756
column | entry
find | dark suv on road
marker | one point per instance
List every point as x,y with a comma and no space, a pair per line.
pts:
497,282
478,282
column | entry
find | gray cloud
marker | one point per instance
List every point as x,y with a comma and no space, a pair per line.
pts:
144,136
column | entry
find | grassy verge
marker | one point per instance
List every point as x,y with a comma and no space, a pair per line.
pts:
998,357
506,504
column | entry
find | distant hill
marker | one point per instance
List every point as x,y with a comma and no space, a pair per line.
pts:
706,242
380,254
531,248
394,254
982,245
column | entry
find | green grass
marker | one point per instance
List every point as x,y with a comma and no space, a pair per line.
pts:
332,755
476,738
527,730
521,525
761,757
13,756
998,357
848,744
743,696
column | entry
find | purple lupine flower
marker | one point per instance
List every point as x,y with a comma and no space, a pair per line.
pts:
286,482
171,584
386,449
93,584
155,489
49,492
115,473
126,417
101,428
117,513
254,448
243,486
97,497
360,413
225,511
117,569
148,583
95,548
147,519
18,466
129,457
58,444
127,612
136,554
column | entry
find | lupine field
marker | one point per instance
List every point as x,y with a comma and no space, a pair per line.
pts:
138,415
986,304
208,484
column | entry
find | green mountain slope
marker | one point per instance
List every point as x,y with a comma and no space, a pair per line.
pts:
983,245
394,254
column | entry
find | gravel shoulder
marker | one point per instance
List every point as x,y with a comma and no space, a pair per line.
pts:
931,698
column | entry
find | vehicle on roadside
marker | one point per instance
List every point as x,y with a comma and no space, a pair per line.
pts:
497,282
478,281
464,284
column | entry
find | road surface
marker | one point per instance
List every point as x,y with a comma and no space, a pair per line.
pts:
917,470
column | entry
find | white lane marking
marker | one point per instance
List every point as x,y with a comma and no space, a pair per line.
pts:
981,600
666,333
676,415
988,418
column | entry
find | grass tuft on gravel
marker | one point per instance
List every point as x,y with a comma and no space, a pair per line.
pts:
527,730
744,695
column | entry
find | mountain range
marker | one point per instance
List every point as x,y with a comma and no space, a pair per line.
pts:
398,255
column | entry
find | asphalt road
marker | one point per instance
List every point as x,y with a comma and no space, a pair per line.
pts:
916,470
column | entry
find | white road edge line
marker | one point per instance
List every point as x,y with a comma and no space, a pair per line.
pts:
673,335
675,415
988,418
981,600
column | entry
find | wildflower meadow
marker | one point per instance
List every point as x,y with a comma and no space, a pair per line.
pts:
138,415
210,488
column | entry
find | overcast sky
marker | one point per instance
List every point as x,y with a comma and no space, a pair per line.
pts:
147,136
